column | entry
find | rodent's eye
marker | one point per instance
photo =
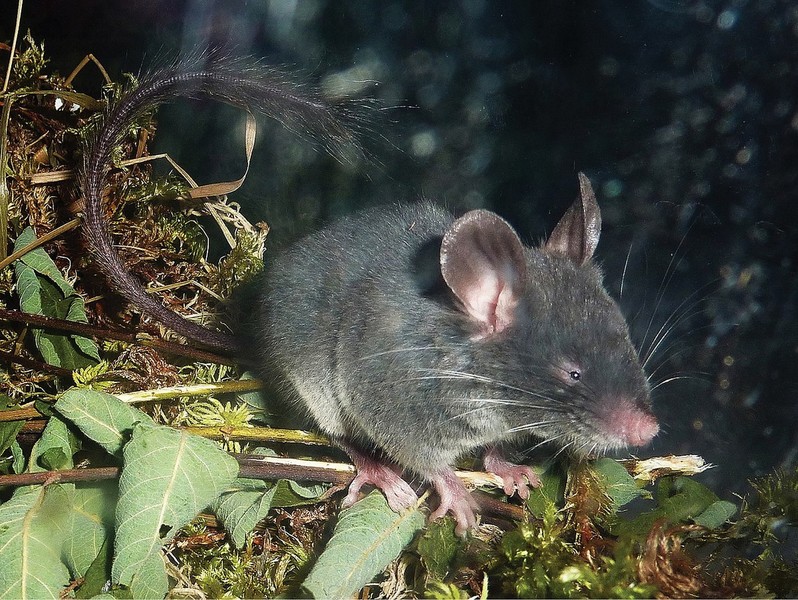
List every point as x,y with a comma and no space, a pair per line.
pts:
569,372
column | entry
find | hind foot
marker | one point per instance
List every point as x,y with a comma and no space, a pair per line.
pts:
455,499
384,476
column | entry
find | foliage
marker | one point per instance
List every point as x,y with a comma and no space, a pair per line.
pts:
44,291
367,536
589,531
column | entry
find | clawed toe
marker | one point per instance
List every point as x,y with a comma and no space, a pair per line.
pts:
397,491
515,478
455,499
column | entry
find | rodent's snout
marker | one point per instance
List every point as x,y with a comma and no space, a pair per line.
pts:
630,424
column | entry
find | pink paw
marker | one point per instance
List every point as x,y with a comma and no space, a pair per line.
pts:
514,477
370,471
455,499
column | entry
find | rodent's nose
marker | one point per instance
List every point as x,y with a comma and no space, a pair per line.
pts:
636,427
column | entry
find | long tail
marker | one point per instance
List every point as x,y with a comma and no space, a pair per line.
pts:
249,85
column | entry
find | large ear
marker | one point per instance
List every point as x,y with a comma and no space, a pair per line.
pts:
577,234
482,262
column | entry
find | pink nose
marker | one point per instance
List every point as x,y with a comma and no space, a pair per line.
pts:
631,424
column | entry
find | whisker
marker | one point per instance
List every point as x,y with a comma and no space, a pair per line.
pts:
681,377
530,426
682,312
508,402
529,451
670,354
663,286
623,274
666,330
411,349
483,379
563,448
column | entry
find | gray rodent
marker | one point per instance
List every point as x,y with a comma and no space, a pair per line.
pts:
410,336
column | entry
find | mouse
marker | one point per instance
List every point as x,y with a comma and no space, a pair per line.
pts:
411,336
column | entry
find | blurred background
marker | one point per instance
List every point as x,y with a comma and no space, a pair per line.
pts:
684,114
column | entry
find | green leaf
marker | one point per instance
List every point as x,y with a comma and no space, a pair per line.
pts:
149,580
367,537
31,527
550,492
54,450
251,500
18,458
716,514
240,509
255,399
8,429
167,478
89,523
50,535
619,485
44,291
98,573
102,417
438,547
8,433
679,499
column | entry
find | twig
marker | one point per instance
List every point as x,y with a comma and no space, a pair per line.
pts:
490,505
10,357
266,467
5,194
34,425
272,467
65,476
13,47
133,338
18,414
197,389
40,241
260,434
83,63
651,469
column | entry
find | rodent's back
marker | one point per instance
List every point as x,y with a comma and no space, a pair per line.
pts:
316,274
358,269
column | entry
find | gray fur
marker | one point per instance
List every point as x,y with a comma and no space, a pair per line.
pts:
377,359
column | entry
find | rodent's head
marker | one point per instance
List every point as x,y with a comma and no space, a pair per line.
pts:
568,371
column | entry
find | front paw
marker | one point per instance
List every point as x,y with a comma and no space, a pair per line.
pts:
515,478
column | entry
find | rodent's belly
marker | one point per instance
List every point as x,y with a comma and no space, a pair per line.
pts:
320,400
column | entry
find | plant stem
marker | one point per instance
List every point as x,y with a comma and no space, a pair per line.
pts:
198,389
132,338
267,467
9,358
260,434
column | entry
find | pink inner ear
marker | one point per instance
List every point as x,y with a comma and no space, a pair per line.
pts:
482,262
490,302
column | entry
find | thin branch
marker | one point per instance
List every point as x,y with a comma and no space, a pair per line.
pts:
10,357
18,414
260,434
267,468
133,338
272,467
13,47
65,476
40,241
651,469
198,389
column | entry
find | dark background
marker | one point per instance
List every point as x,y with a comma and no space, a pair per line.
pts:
684,115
